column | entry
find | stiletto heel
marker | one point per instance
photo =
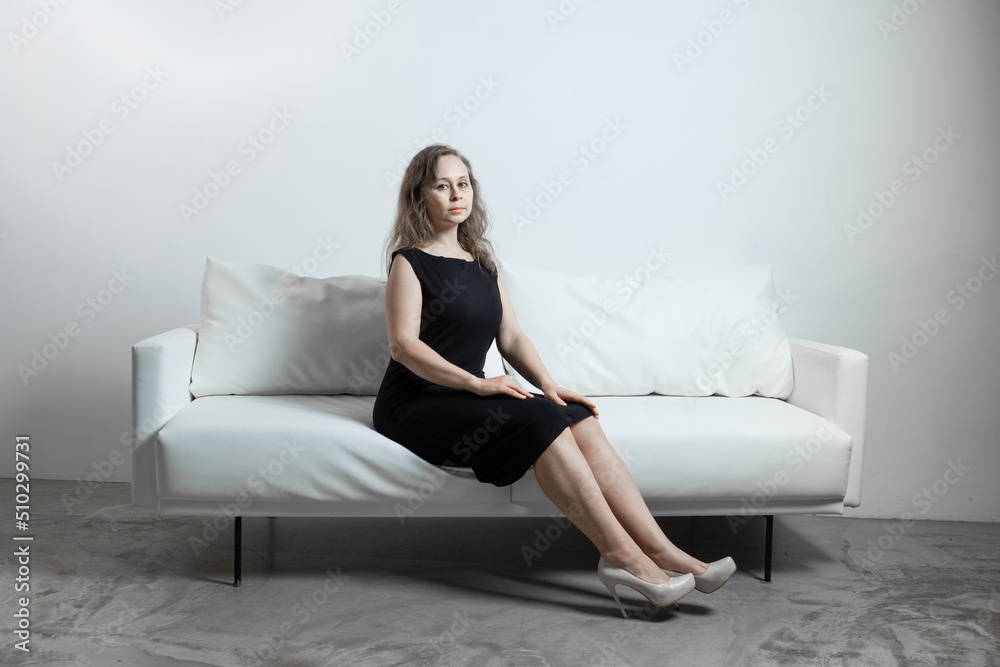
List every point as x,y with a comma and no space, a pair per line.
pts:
714,577
614,594
659,594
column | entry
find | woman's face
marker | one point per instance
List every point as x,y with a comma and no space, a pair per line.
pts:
449,201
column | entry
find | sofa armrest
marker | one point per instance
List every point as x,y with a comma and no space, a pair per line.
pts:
161,376
832,382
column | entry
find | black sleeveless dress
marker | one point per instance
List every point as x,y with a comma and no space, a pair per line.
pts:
498,436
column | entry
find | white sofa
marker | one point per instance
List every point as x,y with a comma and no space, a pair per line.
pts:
317,454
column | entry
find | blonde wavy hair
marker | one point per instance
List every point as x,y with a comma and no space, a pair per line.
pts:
413,228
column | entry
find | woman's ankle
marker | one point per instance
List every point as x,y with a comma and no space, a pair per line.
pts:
624,559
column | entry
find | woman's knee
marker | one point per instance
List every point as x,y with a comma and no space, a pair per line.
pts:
559,446
588,432
586,425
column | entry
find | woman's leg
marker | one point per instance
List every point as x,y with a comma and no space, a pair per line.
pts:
626,502
567,479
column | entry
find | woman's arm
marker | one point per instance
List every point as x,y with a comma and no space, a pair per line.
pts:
403,301
516,348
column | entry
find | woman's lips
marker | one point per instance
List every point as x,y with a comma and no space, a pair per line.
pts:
456,210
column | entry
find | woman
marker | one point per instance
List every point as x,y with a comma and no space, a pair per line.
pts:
445,302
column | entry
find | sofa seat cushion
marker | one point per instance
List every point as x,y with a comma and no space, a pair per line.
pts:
752,449
294,448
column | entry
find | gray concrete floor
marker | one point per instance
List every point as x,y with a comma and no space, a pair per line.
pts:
115,585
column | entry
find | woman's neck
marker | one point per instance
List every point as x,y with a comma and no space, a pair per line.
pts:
446,243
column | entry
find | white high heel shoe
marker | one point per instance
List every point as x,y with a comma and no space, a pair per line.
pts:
659,594
712,579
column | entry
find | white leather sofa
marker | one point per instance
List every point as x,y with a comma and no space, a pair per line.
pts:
315,454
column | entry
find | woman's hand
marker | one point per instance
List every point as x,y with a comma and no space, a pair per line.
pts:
501,384
559,395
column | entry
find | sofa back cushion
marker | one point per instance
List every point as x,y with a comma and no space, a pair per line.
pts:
267,331
683,335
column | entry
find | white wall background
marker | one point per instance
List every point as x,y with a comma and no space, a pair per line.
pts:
325,178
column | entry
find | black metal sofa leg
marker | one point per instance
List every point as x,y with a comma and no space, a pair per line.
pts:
237,549
768,538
